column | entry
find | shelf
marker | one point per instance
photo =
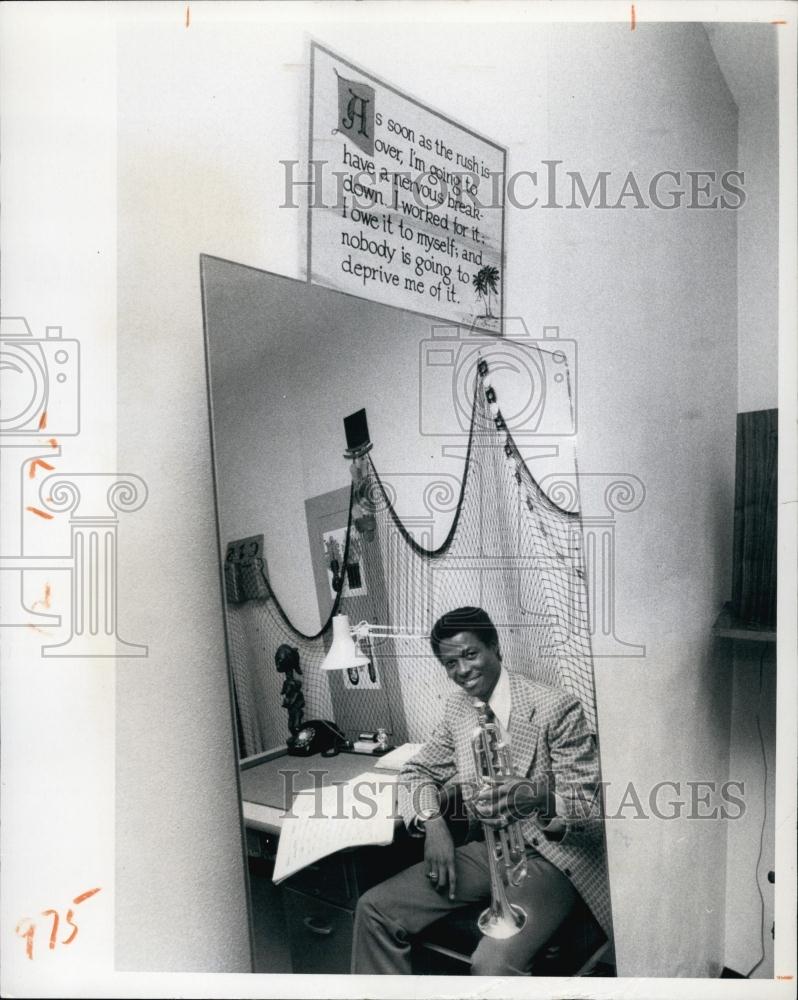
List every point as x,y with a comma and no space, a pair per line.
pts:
728,626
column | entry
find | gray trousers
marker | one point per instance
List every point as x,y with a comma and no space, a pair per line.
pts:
389,915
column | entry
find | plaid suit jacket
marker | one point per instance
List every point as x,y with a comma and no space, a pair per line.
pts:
548,738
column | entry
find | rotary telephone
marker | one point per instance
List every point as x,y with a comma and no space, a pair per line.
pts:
321,736
317,736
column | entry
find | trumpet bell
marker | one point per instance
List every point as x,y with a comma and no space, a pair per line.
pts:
502,925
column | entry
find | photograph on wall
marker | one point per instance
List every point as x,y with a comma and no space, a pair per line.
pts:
344,576
363,676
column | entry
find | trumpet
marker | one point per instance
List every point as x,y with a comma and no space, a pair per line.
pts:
506,848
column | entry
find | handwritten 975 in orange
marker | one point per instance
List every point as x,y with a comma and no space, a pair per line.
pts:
26,928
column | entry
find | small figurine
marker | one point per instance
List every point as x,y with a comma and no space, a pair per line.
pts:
286,659
332,551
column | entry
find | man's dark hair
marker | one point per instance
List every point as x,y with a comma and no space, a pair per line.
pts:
466,619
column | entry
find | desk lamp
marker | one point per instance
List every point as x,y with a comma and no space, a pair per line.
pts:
345,651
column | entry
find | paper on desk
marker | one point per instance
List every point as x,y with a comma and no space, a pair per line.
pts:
323,821
401,755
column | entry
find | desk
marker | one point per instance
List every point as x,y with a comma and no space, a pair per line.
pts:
319,901
268,788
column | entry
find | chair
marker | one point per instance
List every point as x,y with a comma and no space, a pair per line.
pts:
577,948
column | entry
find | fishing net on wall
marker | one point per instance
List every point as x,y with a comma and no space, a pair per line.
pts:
510,550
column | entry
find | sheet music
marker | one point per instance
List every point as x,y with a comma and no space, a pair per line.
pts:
323,821
401,755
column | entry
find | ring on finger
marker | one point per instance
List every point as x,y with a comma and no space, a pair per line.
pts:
433,876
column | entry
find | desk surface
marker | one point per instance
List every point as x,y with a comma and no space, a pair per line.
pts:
275,782
268,789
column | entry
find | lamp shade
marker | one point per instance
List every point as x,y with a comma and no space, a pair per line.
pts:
343,653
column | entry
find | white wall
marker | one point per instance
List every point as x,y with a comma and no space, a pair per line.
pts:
58,256
748,58
758,390
205,115
652,297
757,248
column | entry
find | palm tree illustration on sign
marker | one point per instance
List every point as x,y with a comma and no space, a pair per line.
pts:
486,283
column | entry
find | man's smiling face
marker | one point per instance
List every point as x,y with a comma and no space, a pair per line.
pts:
472,664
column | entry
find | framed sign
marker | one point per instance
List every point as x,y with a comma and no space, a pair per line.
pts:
406,205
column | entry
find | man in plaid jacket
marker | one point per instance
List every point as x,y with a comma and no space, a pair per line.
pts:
553,793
